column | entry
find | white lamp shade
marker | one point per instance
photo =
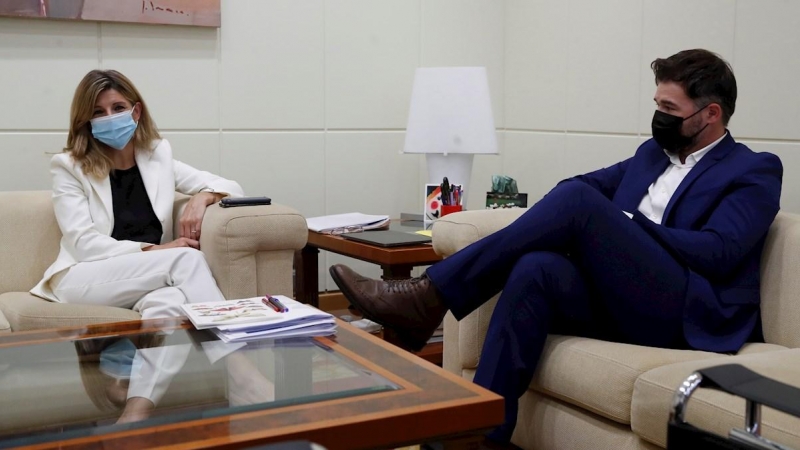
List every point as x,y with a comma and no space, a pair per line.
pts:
451,112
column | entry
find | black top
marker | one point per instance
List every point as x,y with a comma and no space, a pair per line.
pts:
134,218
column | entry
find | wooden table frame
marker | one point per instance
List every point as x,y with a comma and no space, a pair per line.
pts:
396,262
433,405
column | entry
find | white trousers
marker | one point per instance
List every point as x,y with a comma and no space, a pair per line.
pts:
154,283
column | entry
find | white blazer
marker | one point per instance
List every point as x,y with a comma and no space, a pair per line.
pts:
84,208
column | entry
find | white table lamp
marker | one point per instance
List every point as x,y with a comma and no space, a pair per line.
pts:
450,120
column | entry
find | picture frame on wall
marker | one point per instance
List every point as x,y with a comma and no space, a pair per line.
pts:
201,13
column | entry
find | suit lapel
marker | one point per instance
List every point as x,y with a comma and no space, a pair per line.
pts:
149,170
715,154
645,176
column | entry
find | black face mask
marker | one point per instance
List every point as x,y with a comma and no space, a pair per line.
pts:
667,131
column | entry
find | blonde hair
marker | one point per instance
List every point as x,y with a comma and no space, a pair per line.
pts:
81,145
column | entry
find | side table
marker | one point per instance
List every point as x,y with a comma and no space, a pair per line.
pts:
396,263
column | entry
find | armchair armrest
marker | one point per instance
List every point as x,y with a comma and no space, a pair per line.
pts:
456,231
250,249
463,340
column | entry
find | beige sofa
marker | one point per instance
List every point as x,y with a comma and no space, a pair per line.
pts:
250,251
590,394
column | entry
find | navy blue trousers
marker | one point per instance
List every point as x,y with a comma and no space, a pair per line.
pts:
574,263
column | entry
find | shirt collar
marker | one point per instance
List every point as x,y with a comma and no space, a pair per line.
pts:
695,157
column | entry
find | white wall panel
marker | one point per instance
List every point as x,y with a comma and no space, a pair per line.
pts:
272,64
604,44
26,160
365,172
174,68
536,64
483,167
466,33
287,167
536,161
767,69
41,64
586,153
371,51
200,150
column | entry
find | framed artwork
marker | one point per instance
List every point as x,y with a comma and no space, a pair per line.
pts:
433,202
202,13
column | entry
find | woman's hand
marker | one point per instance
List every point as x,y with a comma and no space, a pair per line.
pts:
180,242
192,217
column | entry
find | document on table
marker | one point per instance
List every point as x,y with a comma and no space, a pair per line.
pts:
324,224
252,319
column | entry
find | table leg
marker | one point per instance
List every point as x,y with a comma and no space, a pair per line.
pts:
306,280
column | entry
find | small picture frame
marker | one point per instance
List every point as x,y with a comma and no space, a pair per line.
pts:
433,202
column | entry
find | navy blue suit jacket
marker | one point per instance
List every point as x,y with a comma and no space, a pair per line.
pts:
714,225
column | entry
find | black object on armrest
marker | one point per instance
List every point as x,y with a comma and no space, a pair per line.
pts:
743,382
228,202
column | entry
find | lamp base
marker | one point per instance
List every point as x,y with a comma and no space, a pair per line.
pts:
457,167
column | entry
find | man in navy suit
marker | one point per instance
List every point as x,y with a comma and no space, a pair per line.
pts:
661,249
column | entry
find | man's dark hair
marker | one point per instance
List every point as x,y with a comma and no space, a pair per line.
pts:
704,76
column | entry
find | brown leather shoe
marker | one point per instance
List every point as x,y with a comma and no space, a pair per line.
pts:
411,307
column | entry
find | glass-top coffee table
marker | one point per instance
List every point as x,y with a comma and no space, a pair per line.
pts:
67,388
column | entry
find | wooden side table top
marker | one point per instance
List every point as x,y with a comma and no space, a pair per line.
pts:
417,255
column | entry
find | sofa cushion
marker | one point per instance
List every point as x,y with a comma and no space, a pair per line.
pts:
599,375
5,327
759,347
544,422
714,410
27,312
29,237
779,281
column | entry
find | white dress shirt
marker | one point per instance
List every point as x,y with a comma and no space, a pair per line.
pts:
658,194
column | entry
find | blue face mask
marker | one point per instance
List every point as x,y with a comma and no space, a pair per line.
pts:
115,130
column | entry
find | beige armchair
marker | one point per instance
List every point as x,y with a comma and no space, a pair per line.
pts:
250,251
590,394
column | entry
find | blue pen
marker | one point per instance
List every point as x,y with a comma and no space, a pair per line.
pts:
277,303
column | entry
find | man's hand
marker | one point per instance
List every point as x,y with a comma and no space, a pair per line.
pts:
192,217
180,242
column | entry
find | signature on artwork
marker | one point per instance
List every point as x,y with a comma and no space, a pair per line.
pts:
151,6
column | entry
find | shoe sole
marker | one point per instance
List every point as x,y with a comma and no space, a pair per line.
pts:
414,347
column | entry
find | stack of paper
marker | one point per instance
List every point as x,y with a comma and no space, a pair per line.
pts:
251,319
361,222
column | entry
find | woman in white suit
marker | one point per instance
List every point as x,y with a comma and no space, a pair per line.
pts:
113,192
